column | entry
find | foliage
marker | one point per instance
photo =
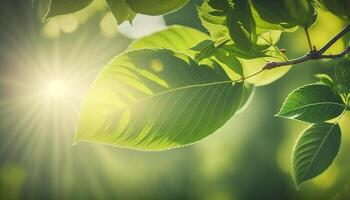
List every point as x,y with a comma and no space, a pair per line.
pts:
177,86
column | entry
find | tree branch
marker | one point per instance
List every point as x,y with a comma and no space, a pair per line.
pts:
314,55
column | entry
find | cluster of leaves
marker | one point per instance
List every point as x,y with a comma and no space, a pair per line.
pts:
318,145
179,85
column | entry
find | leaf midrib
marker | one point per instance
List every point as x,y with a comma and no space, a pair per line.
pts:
318,150
310,105
178,89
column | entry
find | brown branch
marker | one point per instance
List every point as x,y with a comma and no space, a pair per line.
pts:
314,55
343,53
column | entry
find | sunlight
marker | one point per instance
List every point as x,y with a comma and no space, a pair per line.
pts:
56,89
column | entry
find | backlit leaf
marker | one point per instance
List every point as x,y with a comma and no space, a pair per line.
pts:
266,77
214,21
155,99
315,151
312,103
176,37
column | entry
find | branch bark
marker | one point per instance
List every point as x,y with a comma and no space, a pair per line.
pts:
314,55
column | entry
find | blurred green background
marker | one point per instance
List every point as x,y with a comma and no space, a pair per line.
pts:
248,158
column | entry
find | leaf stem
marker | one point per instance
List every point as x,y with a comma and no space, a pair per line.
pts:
308,39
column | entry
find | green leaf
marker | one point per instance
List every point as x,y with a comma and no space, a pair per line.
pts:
227,59
176,37
205,49
156,99
325,79
155,7
315,150
266,77
62,7
342,75
340,8
303,12
121,10
312,103
235,29
219,4
287,13
214,21
241,25
262,25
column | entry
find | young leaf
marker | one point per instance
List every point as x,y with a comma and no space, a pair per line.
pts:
121,10
156,99
342,75
176,37
312,103
315,150
61,7
155,7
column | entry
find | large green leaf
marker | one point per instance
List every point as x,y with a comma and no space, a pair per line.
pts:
121,10
315,150
179,38
312,103
342,75
61,7
155,7
155,99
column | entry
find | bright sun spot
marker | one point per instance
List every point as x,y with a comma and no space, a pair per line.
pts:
56,89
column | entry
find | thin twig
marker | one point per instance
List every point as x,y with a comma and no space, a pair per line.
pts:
343,53
254,74
314,55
